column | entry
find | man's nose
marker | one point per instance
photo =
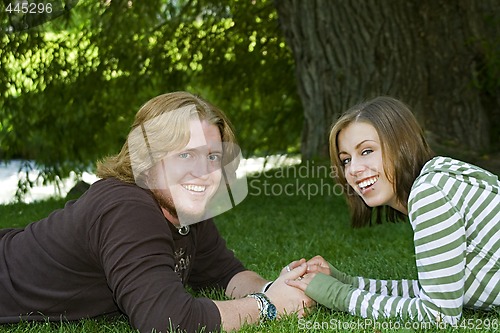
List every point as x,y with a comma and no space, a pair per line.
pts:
200,168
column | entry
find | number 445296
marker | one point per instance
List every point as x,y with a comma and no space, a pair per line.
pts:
29,8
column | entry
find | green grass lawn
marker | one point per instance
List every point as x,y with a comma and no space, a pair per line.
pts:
286,216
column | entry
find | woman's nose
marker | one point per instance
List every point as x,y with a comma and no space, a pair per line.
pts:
356,167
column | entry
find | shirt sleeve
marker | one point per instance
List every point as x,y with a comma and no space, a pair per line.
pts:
440,249
214,264
405,288
135,248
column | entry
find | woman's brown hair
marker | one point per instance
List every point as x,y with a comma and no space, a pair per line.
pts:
404,153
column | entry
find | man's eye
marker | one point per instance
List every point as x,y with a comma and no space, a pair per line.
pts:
214,157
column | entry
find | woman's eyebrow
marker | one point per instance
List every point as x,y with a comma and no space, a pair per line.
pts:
358,145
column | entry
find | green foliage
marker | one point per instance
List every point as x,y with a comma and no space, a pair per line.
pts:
70,87
255,83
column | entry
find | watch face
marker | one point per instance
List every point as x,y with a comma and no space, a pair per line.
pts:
271,312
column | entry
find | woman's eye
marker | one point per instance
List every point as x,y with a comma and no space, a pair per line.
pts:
366,152
345,161
184,155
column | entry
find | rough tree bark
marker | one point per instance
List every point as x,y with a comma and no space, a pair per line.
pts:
425,52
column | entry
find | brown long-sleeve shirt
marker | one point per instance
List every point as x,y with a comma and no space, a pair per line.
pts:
113,251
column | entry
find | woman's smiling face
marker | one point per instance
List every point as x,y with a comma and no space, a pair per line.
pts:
360,152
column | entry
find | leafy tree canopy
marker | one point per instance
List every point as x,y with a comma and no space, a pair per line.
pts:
70,87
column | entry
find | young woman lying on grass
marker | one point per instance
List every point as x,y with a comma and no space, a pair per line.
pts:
453,207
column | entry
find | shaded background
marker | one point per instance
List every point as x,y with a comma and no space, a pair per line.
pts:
71,80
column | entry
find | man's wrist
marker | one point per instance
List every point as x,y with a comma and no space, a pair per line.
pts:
267,286
267,310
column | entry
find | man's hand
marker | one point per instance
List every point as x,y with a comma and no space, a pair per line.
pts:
285,297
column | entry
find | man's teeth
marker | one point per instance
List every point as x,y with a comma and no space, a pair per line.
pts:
368,182
195,188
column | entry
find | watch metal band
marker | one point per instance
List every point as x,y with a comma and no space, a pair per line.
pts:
267,310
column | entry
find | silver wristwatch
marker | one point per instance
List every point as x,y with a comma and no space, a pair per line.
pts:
267,309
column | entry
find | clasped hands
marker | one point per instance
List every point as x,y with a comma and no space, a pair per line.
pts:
288,290
314,266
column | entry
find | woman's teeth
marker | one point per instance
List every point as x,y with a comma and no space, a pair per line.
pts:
365,183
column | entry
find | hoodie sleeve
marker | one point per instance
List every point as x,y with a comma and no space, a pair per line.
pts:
135,247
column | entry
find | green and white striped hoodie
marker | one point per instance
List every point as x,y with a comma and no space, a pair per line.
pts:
454,210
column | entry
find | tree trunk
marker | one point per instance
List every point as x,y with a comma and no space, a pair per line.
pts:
426,53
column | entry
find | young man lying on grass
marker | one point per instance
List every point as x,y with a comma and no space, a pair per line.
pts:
143,232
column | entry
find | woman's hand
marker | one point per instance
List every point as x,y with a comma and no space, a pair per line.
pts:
314,266
292,265
302,282
318,265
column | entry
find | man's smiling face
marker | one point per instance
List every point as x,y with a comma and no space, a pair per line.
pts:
186,179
